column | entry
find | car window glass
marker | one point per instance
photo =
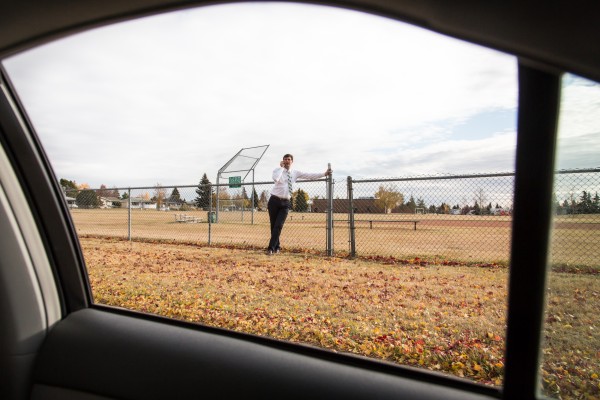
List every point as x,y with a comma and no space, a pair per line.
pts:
165,133
570,354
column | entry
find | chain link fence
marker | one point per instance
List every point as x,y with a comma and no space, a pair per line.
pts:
462,218
447,218
200,214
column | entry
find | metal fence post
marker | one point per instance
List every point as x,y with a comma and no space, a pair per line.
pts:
129,214
351,218
329,181
217,201
210,210
252,199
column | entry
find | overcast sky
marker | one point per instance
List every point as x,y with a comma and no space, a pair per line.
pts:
168,98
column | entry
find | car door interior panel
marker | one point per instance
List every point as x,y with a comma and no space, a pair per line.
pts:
149,360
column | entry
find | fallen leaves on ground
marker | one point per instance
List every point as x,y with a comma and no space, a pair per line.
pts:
447,318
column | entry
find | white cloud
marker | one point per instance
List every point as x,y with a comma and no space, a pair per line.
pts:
168,98
579,125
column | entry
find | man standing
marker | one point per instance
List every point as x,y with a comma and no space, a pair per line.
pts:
280,201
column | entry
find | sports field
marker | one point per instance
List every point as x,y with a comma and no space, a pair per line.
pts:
459,238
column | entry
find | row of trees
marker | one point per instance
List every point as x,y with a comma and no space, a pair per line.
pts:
386,198
389,198
206,195
90,198
585,204
83,195
72,189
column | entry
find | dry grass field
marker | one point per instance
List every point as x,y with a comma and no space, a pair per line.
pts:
461,238
445,318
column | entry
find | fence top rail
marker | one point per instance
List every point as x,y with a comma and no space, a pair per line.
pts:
431,178
578,171
418,178
491,175
205,185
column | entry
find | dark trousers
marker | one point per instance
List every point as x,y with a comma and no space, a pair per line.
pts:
278,212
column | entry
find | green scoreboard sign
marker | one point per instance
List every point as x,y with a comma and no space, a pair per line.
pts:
235,181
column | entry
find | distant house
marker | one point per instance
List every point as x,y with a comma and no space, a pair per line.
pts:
343,206
501,211
138,202
71,202
174,203
110,202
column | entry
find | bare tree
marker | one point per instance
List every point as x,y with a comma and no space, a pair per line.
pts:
479,198
160,194
103,191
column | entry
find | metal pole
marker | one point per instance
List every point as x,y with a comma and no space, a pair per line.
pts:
210,212
217,198
329,213
351,218
129,215
252,197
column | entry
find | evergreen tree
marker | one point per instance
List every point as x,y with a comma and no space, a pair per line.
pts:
477,208
411,205
300,201
245,198
69,187
204,192
175,197
87,199
255,198
125,195
585,204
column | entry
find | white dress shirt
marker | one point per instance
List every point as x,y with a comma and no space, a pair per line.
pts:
280,177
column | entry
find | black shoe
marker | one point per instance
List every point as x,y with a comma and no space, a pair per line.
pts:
269,252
